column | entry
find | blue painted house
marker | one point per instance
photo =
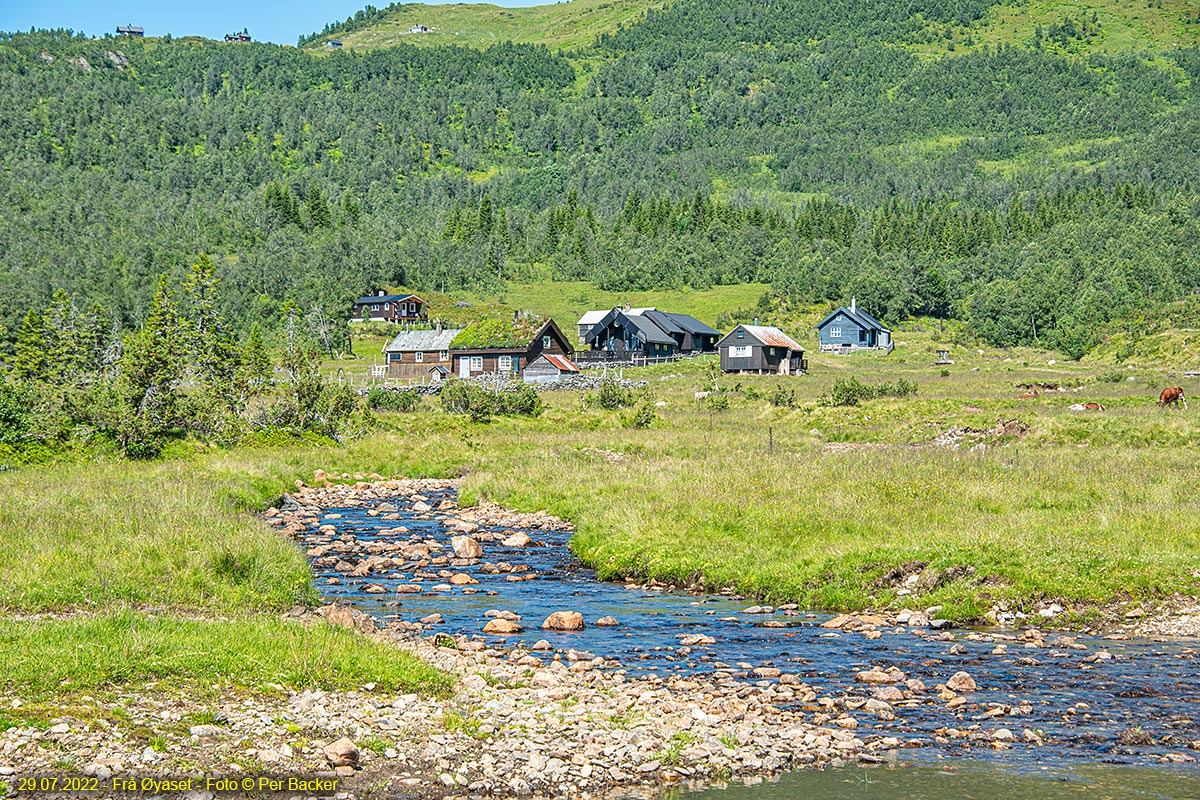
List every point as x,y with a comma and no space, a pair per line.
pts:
849,329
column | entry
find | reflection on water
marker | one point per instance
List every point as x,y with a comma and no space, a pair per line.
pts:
1080,706
973,781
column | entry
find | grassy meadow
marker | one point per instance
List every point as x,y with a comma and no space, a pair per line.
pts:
770,489
556,25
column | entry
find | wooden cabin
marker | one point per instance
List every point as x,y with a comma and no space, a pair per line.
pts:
690,334
847,330
135,31
761,350
502,349
385,307
624,334
549,368
414,354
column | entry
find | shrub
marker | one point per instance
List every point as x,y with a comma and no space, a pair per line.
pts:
782,397
1112,377
405,400
461,397
642,417
718,402
852,391
613,396
14,412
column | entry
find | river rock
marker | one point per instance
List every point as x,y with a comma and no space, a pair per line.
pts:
461,579
466,547
408,588
607,622
421,507
432,619
564,621
498,625
961,682
342,753
519,539
876,675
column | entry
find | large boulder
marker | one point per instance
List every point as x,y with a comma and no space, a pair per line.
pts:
502,626
518,539
564,621
466,547
961,682
342,753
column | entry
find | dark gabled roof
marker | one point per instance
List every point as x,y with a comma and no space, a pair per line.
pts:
693,325
387,298
858,315
664,321
648,331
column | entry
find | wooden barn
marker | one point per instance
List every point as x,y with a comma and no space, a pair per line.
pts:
413,354
505,349
849,329
389,308
549,368
761,350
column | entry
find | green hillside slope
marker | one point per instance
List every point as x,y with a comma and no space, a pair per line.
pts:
560,25
1063,26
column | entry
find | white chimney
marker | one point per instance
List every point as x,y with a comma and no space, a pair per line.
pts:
381,294
853,305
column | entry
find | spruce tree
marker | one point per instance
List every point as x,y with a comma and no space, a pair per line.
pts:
31,361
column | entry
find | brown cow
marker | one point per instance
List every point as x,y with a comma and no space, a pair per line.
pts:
1172,395
1087,407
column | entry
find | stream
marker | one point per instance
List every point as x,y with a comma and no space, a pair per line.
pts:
1081,705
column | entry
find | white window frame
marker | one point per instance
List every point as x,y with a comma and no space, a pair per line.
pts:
741,352
505,363
476,362
836,333
443,355
420,357
545,342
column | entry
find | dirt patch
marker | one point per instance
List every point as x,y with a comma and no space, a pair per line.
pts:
963,434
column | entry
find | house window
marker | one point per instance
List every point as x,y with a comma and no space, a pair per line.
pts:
420,357
545,341
741,334
476,362
836,333
443,355
740,352
770,351
505,363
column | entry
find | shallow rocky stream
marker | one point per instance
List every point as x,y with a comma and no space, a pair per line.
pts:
1044,700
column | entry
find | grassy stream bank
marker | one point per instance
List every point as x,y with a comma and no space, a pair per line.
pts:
831,507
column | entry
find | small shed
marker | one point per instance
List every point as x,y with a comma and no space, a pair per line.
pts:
847,330
587,321
549,368
762,350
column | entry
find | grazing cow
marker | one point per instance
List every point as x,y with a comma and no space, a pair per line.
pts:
1087,407
1032,393
1172,395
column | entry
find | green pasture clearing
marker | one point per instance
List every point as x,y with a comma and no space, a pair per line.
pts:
558,26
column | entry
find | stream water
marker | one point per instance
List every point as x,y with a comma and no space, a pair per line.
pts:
1081,707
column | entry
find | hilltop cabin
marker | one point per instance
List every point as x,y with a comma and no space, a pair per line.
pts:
549,368
130,30
418,355
419,29
509,359
238,37
389,308
333,44
761,350
848,330
647,333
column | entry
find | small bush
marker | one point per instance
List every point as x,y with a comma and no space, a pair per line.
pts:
613,396
405,400
14,413
945,373
1112,377
782,397
718,402
852,391
642,417
461,397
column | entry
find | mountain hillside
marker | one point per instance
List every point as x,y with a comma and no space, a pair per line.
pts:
1064,26
559,25
1038,192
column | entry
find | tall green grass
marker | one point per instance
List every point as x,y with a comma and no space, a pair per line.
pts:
121,648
